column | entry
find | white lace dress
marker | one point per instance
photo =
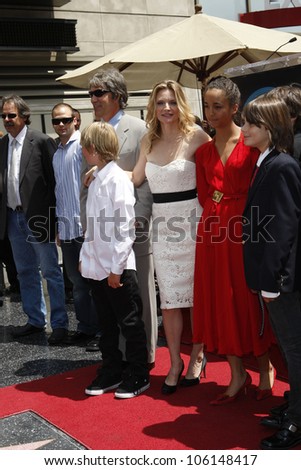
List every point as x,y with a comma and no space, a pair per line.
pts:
174,232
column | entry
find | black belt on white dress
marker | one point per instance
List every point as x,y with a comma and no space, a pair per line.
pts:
160,198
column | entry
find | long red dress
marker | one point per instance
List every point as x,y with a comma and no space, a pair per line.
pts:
227,315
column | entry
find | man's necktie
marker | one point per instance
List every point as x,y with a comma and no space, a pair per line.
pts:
12,178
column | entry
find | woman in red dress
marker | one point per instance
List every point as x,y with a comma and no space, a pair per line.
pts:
228,318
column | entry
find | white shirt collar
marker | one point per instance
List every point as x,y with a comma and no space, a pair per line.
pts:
263,155
20,137
101,173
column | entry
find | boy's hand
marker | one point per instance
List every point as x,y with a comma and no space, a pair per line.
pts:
114,281
89,177
267,300
129,173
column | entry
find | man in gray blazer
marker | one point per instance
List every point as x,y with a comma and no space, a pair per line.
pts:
27,212
108,93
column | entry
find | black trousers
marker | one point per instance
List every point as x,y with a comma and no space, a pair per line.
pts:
285,317
121,310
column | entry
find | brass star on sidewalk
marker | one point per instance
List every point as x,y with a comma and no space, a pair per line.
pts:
28,446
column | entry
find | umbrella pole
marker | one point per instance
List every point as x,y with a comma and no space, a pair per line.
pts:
200,97
200,102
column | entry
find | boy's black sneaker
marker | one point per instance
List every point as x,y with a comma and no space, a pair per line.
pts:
102,384
132,386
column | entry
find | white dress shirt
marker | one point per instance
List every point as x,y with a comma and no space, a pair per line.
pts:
17,156
110,224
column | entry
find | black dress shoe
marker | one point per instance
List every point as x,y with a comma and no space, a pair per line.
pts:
287,437
279,410
57,336
273,421
26,330
93,345
78,339
286,395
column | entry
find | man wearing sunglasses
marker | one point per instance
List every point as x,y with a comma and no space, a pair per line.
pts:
27,215
109,96
67,162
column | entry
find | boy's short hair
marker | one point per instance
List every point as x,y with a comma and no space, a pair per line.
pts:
271,112
104,138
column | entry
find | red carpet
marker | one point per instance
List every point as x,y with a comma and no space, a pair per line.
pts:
184,420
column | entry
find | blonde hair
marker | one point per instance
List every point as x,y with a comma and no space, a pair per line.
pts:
103,138
186,117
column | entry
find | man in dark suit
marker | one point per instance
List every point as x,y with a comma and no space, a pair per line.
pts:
109,96
271,243
27,215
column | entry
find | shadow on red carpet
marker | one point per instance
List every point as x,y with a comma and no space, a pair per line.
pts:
184,420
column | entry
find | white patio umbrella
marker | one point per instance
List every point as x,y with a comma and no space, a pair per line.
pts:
189,52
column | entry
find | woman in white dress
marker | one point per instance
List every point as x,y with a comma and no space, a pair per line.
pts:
167,160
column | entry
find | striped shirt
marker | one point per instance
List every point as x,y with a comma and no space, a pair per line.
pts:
67,162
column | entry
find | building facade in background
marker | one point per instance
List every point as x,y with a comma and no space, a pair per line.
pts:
42,39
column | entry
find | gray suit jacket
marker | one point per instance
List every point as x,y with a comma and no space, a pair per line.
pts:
130,131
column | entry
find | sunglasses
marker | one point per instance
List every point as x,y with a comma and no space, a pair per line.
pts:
57,121
9,116
98,93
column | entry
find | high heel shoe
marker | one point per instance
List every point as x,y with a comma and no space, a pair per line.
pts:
169,389
223,399
266,392
195,381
